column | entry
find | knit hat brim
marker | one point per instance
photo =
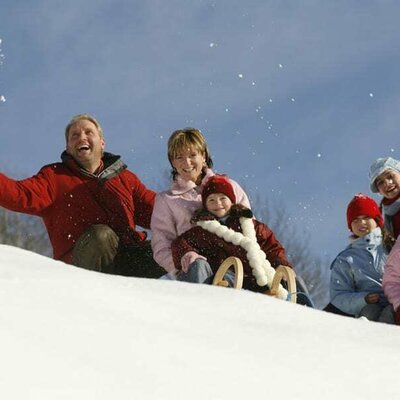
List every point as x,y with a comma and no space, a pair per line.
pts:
380,166
218,184
363,205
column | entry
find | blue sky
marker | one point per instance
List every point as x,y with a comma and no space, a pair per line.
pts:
296,98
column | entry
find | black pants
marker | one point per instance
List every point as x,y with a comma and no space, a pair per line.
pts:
98,249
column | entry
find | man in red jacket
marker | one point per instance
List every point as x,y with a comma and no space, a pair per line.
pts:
90,204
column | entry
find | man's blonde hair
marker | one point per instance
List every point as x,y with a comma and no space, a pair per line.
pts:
80,117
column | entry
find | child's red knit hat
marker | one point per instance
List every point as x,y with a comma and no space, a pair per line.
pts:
363,205
218,184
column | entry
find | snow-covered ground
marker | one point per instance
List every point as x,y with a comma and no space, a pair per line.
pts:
67,333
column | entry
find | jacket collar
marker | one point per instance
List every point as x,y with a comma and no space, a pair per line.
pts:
180,186
113,165
370,241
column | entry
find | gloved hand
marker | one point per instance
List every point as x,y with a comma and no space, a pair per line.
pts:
372,298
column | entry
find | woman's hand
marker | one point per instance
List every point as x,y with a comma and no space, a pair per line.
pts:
188,258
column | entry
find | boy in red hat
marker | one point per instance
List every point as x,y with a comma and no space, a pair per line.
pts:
357,272
222,229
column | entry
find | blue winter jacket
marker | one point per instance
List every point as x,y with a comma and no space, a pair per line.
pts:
357,271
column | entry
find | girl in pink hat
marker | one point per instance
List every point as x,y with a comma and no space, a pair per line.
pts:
224,228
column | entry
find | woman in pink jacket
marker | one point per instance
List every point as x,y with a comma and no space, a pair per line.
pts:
391,279
173,209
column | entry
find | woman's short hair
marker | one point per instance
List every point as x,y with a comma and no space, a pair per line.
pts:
79,117
188,138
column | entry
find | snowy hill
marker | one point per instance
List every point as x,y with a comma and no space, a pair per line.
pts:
67,333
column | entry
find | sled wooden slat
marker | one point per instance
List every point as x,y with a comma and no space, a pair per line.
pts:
284,272
229,262
280,273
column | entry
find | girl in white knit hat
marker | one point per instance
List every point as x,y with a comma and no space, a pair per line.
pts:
384,177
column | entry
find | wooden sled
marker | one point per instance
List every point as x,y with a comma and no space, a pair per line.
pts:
229,262
290,276
280,273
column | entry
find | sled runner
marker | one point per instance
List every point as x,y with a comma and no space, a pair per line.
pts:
284,272
228,263
280,273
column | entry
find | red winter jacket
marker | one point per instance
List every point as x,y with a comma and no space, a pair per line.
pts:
216,249
70,200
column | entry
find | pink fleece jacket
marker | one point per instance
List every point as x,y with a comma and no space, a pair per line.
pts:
391,276
173,210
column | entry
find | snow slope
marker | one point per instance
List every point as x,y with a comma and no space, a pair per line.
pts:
67,333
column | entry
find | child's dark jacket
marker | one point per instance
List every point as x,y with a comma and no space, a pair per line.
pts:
216,249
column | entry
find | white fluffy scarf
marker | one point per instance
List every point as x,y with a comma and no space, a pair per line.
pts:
261,267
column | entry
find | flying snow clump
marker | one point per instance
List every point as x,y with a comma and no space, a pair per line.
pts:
1,54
